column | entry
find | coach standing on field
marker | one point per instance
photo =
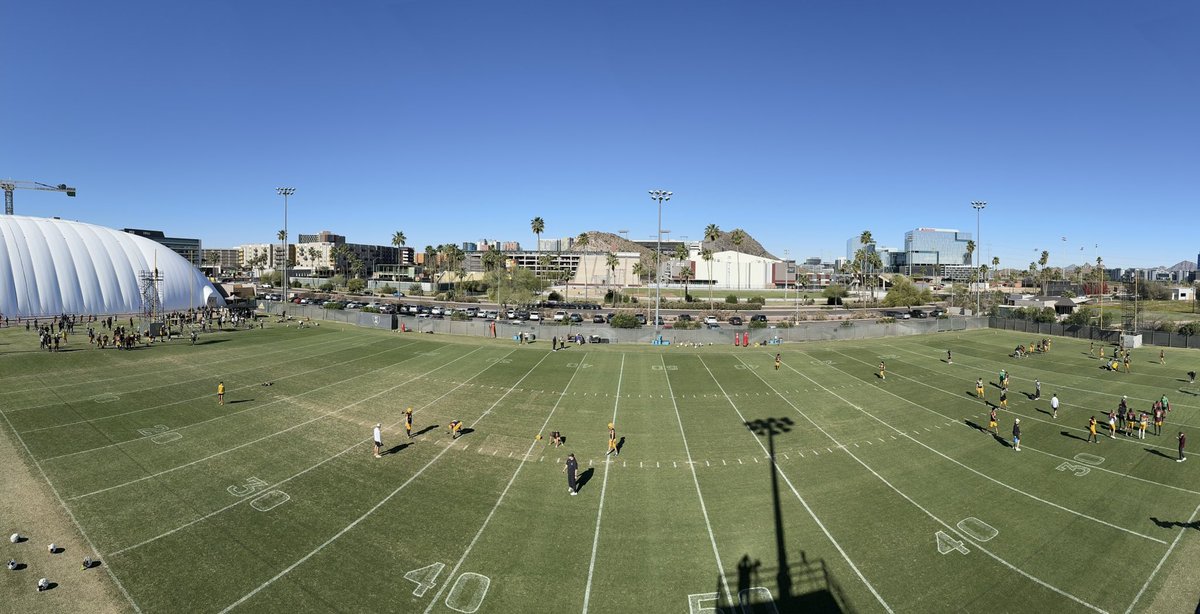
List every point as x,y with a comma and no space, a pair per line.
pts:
571,468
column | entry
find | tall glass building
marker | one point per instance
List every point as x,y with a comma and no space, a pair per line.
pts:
929,247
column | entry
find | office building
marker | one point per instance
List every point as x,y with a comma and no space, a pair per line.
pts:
188,248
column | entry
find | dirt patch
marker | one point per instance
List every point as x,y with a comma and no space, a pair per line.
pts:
30,508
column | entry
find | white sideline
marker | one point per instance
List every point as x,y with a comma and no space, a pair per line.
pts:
107,568
500,499
1174,543
197,398
288,479
972,469
783,475
416,475
280,432
695,480
231,414
587,592
953,530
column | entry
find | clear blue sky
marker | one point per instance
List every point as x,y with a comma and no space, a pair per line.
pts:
802,122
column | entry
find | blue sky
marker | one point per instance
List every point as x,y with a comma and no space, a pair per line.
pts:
802,122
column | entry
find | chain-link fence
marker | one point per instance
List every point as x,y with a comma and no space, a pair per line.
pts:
1150,337
603,333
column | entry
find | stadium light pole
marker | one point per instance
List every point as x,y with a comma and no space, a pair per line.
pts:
285,193
660,196
978,205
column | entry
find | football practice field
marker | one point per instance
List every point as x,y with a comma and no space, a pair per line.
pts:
739,487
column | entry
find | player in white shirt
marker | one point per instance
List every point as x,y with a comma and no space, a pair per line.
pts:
377,437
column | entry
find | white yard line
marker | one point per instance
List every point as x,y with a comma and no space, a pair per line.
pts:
972,469
953,530
71,515
296,475
500,499
1174,543
795,492
350,526
956,421
213,358
235,413
695,480
207,395
280,432
587,592
1022,416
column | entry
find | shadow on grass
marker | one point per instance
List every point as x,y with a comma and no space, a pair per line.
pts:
584,478
425,430
240,401
620,444
1044,411
1171,524
396,448
1002,441
1070,435
1158,453
972,424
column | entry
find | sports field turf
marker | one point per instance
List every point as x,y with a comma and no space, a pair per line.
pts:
886,495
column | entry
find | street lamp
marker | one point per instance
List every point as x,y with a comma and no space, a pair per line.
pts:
978,205
285,193
660,196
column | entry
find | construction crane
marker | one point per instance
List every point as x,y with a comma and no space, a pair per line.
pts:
10,185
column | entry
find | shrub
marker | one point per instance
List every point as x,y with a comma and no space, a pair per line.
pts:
460,316
416,290
731,299
624,320
685,324
370,309
356,285
333,305
757,299
386,290
326,287
1166,326
756,324
554,296
1188,330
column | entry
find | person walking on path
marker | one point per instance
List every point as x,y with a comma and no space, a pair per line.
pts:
571,468
377,437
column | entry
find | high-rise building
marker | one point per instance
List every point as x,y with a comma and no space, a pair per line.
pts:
927,250
188,248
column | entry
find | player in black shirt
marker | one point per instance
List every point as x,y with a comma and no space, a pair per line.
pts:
570,469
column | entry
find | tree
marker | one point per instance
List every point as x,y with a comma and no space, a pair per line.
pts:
398,239
708,257
712,233
639,270
835,293
582,241
356,285
520,288
995,263
905,293
545,261
737,236
864,260
430,262
611,261
970,251
538,226
685,274
493,260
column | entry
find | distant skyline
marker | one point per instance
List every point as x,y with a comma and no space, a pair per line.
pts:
802,123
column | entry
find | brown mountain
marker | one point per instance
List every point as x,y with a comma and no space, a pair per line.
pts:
600,241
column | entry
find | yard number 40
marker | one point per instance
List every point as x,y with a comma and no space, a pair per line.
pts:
465,596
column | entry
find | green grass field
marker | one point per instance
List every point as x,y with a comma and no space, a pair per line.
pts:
885,495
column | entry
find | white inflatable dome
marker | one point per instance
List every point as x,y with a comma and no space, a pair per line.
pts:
50,267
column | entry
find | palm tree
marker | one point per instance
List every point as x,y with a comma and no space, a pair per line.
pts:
685,274
708,257
866,239
398,239
737,236
493,260
582,241
430,261
538,226
639,270
970,251
995,263
712,232
212,259
611,261
313,253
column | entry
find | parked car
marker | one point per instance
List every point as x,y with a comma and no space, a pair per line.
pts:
735,320
758,317
597,319
640,317
937,312
560,315
710,320
535,316
576,318
683,317
917,313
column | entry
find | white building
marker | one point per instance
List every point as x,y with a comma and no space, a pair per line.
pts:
734,270
1182,294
